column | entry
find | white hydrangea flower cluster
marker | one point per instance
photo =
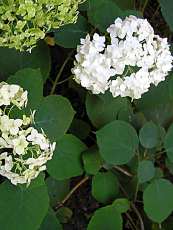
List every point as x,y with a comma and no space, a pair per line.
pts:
23,150
134,59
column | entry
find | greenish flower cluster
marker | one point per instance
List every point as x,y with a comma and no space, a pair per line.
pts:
24,22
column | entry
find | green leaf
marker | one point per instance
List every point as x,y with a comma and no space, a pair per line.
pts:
102,109
117,142
150,135
80,128
124,4
167,9
92,160
106,218
157,103
158,200
50,222
168,143
12,60
54,116
102,13
23,208
73,31
66,162
30,80
105,187
146,171
121,205
57,190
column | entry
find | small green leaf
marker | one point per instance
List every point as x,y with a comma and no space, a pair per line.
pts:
12,60
32,81
167,8
57,190
105,186
102,13
158,200
50,222
117,142
102,109
149,135
92,160
73,31
66,162
168,143
106,218
146,171
21,207
121,205
54,116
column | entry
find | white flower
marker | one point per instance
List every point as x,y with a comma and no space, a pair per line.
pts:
20,143
133,60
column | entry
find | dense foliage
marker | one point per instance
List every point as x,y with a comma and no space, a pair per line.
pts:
112,167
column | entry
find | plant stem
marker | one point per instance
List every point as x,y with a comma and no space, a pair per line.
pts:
80,183
124,171
59,73
144,6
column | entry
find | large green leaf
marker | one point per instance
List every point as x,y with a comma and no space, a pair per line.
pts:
106,218
31,80
167,9
21,207
105,187
50,222
73,31
102,109
158,200
117,142
54,116
102,13
12,60
168,143
146,171
66,162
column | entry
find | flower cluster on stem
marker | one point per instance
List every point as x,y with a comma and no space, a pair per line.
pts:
24,151
127,64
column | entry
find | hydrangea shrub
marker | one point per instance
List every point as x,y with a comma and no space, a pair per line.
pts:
86,117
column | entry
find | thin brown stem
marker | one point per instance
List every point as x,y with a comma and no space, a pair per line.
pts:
59,73
79,184
122,170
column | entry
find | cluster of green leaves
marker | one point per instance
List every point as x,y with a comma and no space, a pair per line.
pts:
123,149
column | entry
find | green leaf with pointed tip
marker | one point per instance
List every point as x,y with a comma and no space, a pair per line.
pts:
121,205
158,200
31,80
106,218
102,13
102,109
105,186
54,116
146,171
117,142
73,31
92,160
66,162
